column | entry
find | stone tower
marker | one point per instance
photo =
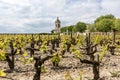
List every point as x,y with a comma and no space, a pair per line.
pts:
57,25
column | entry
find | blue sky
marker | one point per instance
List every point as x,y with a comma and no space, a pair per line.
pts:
37,16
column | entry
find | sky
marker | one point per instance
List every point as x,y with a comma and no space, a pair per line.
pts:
38,16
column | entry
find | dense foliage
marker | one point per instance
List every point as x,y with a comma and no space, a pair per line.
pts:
103,23
80,27
106,23
117,24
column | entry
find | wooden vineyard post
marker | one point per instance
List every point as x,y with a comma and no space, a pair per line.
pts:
39,42
112,46
32,47
113,32
57,41
53,44
71,35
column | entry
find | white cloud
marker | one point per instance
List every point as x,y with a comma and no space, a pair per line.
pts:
111,6
17,2
39,15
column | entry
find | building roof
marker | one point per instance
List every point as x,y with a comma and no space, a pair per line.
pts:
57,20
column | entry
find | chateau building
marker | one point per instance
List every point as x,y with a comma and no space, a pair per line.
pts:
57,26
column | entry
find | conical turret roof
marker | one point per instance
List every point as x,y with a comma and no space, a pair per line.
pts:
57,20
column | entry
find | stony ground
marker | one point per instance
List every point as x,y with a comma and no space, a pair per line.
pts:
69,64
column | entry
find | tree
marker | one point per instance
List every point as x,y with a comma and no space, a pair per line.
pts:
70,28
108,16
117,24
63,29
104,25
80,27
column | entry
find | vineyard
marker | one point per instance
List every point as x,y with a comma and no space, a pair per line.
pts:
59,57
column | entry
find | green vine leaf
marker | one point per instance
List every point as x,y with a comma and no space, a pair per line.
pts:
2,73
55,58
2,55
